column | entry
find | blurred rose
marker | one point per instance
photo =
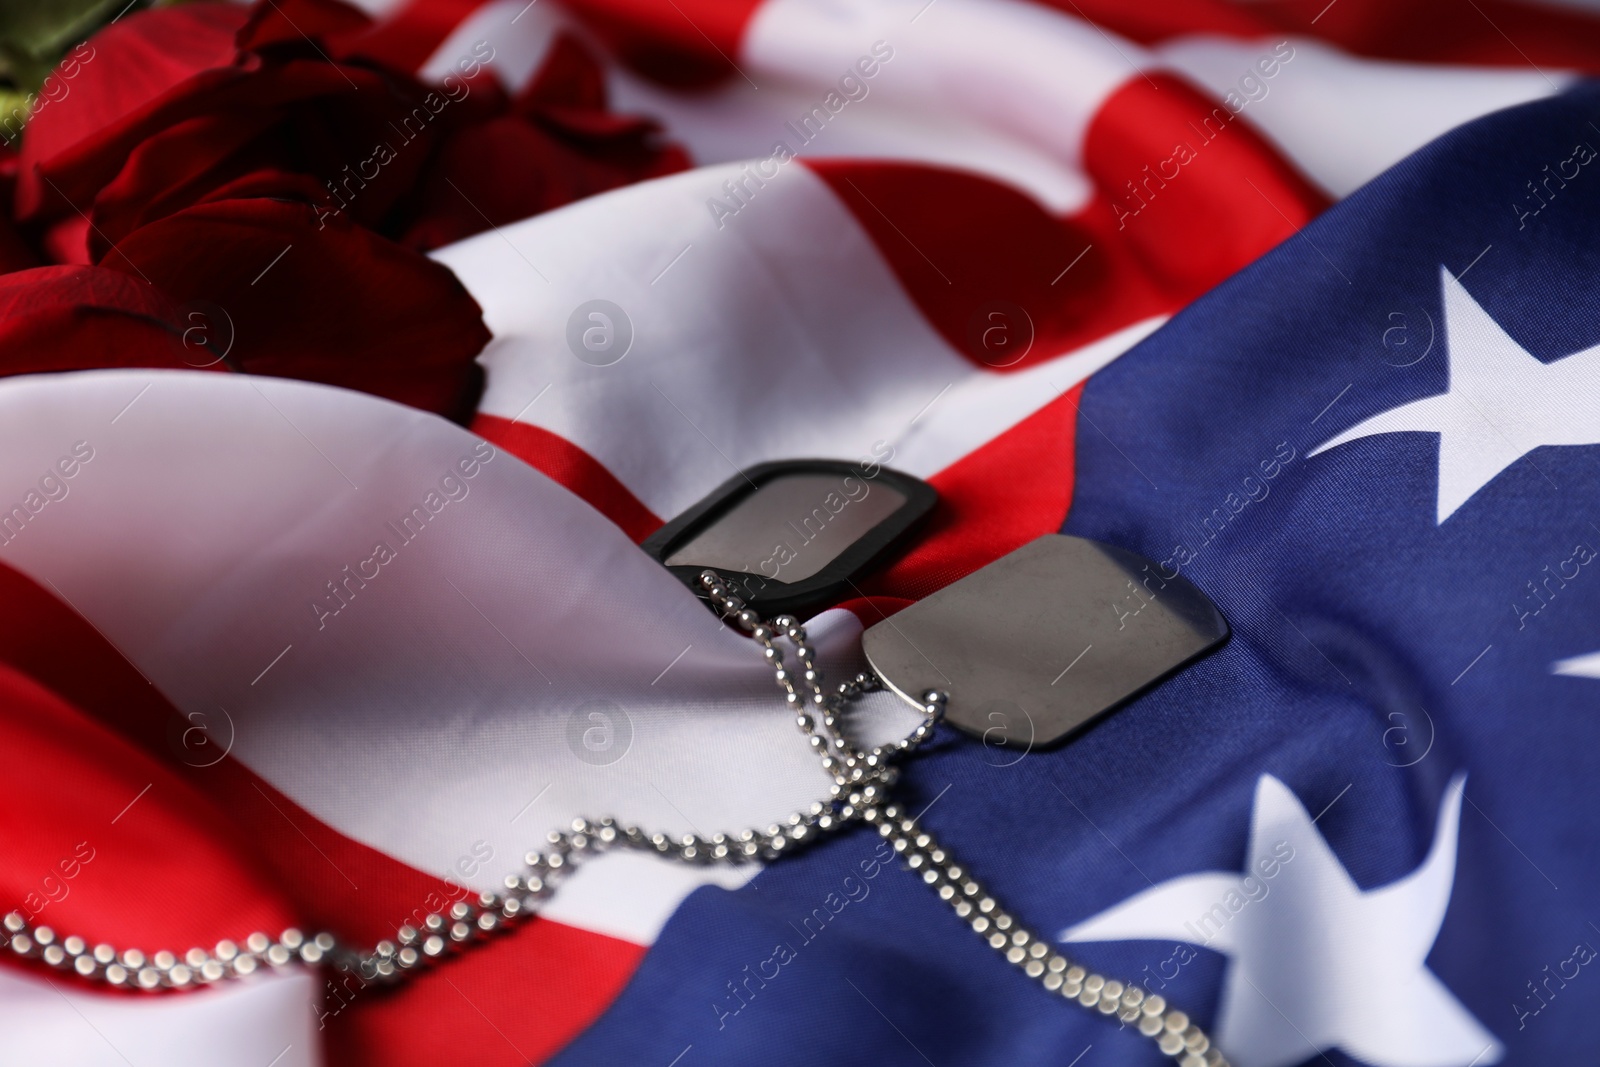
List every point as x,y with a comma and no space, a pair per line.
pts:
252,162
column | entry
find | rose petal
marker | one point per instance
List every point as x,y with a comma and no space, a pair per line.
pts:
366,145
508,169
14,251
318,299
72,318
67,241
127,71
173,169
299,22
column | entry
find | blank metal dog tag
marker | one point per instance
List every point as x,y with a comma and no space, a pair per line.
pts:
790,536
1059,632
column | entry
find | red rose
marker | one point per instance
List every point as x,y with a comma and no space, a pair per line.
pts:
52,318
254,169
14,251
332,303
555,143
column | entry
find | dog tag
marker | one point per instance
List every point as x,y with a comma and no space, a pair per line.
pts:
1045,639
789,536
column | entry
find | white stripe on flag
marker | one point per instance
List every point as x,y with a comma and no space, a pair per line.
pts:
1342,119
782,333
458,680
1017,109
266,1022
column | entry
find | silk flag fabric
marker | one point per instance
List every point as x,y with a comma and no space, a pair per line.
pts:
1276,308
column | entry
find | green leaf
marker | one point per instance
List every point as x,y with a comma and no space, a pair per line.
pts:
36,33
13,114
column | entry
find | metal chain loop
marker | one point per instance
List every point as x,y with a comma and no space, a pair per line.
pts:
861,779
1171,1029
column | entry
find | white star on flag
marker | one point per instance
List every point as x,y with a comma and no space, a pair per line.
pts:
1316,962
1501,402
1587,666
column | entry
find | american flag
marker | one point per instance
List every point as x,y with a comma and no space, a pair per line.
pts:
1293,298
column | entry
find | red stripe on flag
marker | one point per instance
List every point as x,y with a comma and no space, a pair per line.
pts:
486,1007
1157,20
1505,33
212,851
874,609
572,467
997,498
968,249
1187,193
684,43
509,1002
329,879
963,245
103,840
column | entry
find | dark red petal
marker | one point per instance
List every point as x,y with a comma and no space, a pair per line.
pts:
67,241
74,176
488,175
14,251
370,147
174,168
274,185
367,144
75,318
507,169
318,299
125,69
299,22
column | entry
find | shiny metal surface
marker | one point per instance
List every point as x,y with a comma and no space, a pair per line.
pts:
792,526
1061,630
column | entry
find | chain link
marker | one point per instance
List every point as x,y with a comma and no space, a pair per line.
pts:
861,779
1172,1031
